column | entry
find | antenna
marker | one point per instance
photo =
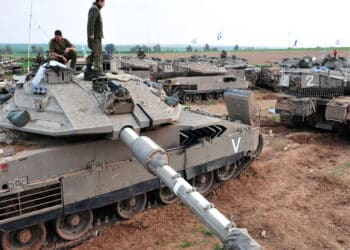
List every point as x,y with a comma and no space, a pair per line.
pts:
30,34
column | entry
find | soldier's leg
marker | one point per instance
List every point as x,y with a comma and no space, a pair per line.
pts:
98,57
90,58
72,55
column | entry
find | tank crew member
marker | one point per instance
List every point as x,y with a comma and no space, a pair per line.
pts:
335,53
95,35
62,50
223,54
141,54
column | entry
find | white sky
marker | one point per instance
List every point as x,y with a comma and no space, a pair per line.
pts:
243,22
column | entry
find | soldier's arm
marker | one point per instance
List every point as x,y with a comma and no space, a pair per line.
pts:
91,21
53,54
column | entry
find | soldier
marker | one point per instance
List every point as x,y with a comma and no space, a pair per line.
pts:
141,54
95,35
62,50
223,54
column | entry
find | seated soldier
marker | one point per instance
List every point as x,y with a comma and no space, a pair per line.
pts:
223,54
62,50
141,54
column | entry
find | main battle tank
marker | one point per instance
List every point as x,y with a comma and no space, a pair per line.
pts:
193,81
183,68
198,88
269,77
81,154
315,97
137,66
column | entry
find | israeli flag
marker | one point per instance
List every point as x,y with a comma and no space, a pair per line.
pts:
219,36
295,43
337,42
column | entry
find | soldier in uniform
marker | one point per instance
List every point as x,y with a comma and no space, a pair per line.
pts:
62,50
95,35
223,54
141,54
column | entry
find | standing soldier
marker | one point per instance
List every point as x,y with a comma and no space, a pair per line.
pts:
95,35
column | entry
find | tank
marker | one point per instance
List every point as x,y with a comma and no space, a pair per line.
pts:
184,67
269,77
2,73
316,98
195,79
10,66
87,147
198,88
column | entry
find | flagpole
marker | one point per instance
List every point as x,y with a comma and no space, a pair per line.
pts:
30,34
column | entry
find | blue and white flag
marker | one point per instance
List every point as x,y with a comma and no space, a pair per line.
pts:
194,41
295,43
337,42
219,36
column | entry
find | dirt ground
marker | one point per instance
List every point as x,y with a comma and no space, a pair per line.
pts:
296,195
262,57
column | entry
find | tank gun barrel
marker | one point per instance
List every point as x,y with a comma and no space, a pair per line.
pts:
155,160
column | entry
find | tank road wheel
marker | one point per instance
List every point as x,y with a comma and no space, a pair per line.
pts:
220,96
197,98
30,238
209,97
204,182
166,196
187,98
178,92
225,173
74,226
126,209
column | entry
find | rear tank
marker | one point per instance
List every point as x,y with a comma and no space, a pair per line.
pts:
198,88
318,98
78,151
194,80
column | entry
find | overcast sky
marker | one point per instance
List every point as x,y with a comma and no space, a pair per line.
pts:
243,22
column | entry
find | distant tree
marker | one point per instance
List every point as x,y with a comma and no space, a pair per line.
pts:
135,49
157,48
146,49
236,47
195,50
189,48
109,48
207,47
8,49
215,49
36,49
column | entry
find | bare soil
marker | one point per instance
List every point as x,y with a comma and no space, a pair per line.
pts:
296,195
261,57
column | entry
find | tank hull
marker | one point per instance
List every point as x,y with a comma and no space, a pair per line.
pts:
76,177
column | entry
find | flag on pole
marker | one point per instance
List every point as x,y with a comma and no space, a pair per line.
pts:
194,41
337,42
219,36
295,43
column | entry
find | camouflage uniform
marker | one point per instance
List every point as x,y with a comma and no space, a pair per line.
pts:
60,47
95,27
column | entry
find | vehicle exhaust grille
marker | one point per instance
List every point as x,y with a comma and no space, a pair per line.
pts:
192,137
30,201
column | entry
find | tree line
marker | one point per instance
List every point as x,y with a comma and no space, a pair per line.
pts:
111,49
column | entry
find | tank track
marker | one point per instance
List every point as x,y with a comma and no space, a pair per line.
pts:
106,216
